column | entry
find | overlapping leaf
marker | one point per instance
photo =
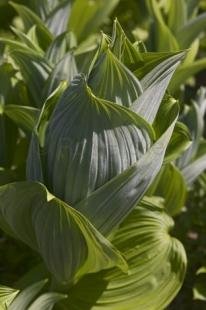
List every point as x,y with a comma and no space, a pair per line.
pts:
157,264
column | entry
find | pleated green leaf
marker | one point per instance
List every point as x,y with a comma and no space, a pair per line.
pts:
35,71
30,19
155,84
46,301
157,264
60,46
7,295
25,117
26,296
123,49
69,245
64,70
89,141
112,202
111,80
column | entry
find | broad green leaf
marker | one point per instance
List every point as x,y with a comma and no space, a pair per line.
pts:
46,301
25,117
89,141
69,245
157,264
172,187
111,80
40,37
30,18
164,38
64,70
27,40
155,84
87,16
26,296
191,30
35,71
110,204
7,295
185,72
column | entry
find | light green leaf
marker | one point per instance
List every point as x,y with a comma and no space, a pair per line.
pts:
69,245
157,264
123,49
87,16
25,117
199,289
172,187
46,301
30,19
189,32
111,80
26,296
110,204
7,295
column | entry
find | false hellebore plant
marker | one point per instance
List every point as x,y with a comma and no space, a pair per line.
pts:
95,150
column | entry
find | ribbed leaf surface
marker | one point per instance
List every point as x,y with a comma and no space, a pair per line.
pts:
157,264
89,141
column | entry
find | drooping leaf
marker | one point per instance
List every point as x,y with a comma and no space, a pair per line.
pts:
157,264
194,169
30,18
25,117
69,245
